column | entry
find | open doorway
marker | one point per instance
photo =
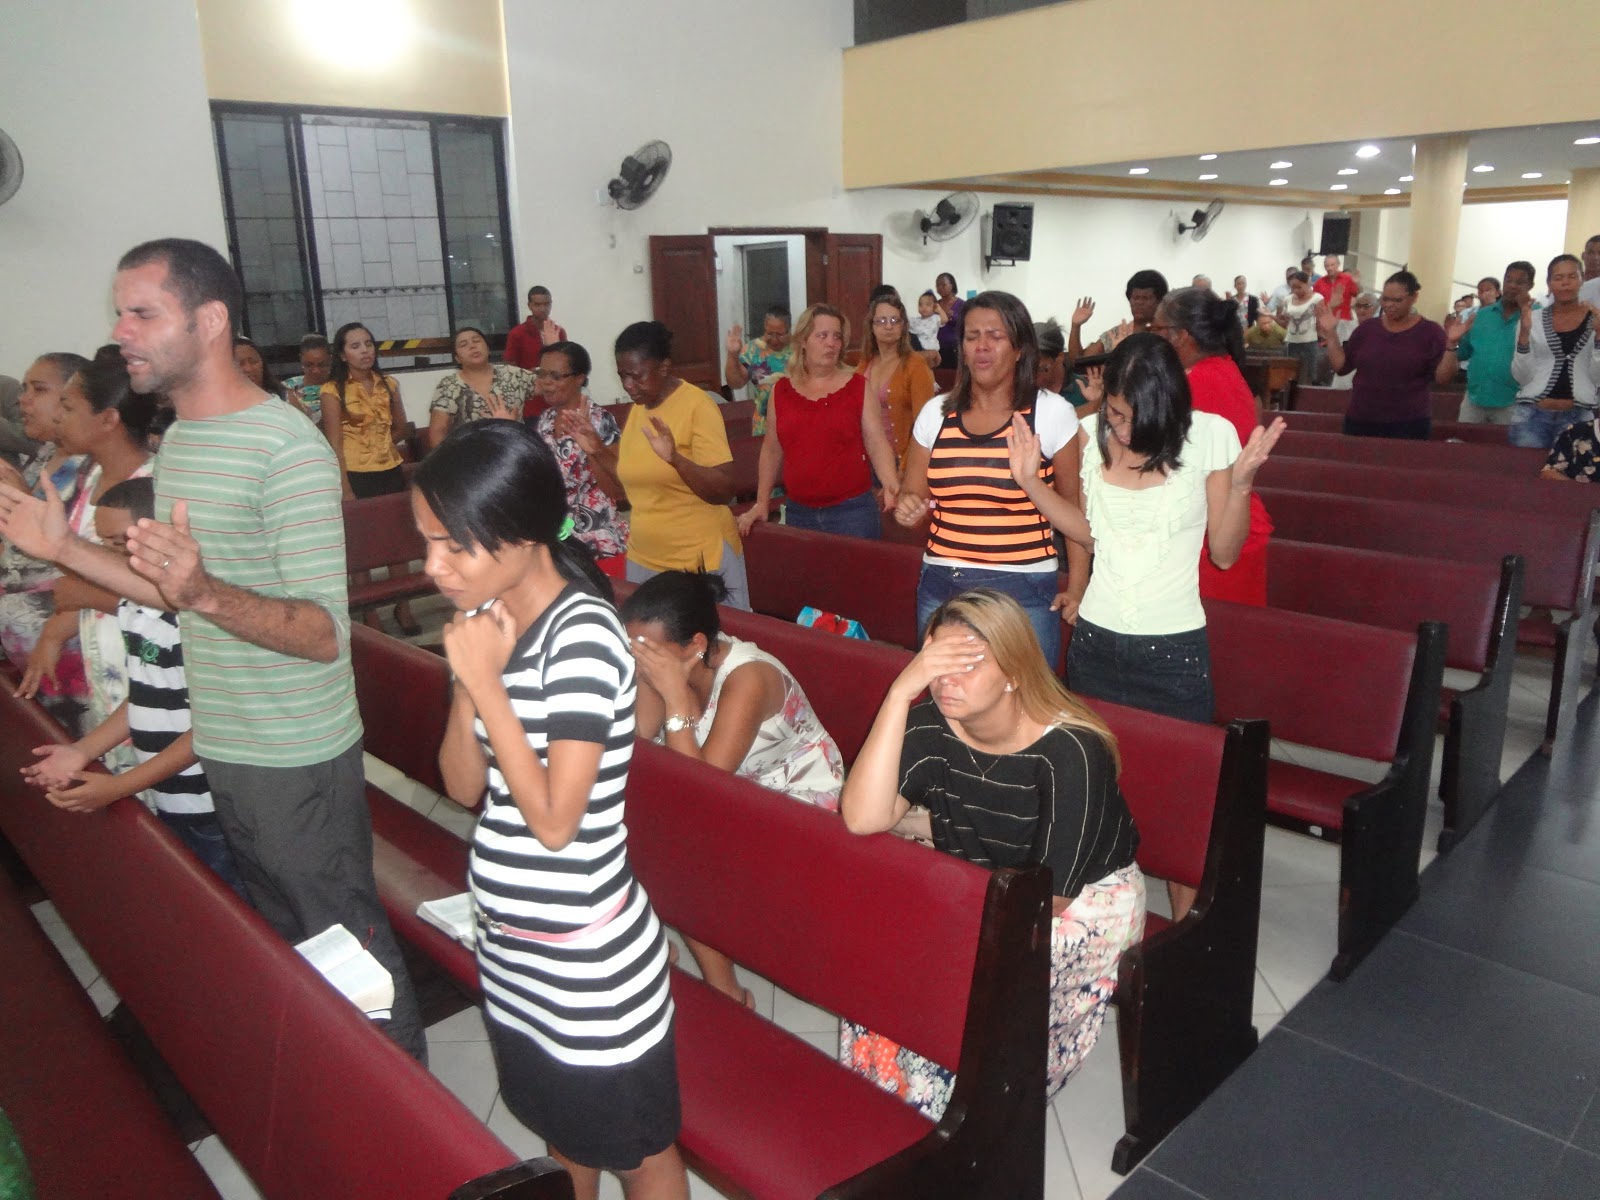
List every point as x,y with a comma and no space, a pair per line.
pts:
754,272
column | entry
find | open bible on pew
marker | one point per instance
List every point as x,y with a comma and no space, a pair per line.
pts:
452,915
350,967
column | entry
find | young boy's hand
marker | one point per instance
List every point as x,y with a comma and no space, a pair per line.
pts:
57,766
92,791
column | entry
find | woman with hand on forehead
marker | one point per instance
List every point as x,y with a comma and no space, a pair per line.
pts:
1002,766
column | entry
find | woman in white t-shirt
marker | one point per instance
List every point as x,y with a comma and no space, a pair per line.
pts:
726,702
1298,316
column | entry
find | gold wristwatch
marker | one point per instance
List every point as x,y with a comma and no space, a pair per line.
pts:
676,724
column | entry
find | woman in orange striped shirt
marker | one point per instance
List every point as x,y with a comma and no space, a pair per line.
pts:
984,531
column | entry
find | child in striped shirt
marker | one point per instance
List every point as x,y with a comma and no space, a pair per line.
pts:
166,775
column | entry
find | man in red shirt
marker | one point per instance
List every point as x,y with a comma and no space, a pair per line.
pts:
526,343
1333,279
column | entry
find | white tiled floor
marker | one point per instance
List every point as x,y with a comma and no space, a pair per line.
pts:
1298,926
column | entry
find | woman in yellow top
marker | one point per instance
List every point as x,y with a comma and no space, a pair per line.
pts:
674,462
898,377
361,413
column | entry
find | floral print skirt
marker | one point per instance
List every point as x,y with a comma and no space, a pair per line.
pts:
1086,943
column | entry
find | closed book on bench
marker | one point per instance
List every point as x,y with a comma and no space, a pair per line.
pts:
452,915
350,967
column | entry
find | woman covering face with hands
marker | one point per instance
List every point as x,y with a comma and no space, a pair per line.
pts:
1003,767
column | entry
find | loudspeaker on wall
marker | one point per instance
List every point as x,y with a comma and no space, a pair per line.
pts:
1011,232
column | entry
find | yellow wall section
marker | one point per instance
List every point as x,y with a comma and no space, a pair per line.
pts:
1094,81
445,56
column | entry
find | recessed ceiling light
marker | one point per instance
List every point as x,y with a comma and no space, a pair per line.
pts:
1368,152
1208,158
1338,187
1588,141
1391,191
1138,170
1482,169
1407,178
1276,182
1281,165
1203,178
1533,174
1348,171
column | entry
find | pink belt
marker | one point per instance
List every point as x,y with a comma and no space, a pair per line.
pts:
570,935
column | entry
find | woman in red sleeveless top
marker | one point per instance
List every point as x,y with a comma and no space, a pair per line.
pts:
821,436
1204,330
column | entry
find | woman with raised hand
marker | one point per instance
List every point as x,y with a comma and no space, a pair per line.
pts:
102,418
1394,359
1003,767
1557,360
674,463
572,959
361,415
821,425
1300,317
1205,332
725,702
27,584
985,530
477,390
898,377
584,436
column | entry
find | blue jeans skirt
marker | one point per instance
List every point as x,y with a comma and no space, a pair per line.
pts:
855,517
1538,427
1166,673
1034,590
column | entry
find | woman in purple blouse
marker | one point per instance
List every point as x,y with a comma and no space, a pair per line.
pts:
950,306
1394,359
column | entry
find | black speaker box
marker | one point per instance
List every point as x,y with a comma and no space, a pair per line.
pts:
1335,233
1011,232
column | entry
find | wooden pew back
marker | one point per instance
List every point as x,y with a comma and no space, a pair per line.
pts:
873,582
1392,452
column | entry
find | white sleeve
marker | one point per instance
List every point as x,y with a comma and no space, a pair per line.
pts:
1054,421
1214,440
925,429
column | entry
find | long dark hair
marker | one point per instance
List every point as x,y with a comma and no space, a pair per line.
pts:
269,380
106,386
496,483
1211,320
339,370
1019,329
1145,372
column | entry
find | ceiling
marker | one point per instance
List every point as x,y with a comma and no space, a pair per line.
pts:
1544,153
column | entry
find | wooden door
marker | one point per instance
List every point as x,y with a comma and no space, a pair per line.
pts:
683,287
852,267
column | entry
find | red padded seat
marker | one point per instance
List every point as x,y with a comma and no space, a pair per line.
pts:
1308,795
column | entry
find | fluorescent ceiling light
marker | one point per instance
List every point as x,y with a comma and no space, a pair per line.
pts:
1338,187
1482,169
1281,165
1203,178
1391,191
1348,171
1138,170
1586,141
1407,178
1276,182
1208,158
1533,174
1368,152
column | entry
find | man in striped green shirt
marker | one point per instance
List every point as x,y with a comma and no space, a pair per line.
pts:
248,548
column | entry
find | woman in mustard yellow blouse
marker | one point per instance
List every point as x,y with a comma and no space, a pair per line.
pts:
361,413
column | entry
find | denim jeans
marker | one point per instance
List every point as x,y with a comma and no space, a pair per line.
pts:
855,517
1161,673
1537,427
202,834
1034,590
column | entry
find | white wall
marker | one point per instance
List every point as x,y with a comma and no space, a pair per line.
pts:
1491,236
756,138
107,103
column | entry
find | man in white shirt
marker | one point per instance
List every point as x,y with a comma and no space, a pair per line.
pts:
1589,293
1280,294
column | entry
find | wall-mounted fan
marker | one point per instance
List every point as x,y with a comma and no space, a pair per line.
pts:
10,167
949,218
1200,221
641,175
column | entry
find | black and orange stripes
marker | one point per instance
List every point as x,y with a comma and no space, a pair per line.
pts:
980,515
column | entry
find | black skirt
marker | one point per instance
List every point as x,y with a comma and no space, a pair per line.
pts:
366,484
608,1118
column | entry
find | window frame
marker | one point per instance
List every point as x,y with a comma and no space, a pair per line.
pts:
292,117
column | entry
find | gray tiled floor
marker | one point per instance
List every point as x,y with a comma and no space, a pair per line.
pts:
1298,928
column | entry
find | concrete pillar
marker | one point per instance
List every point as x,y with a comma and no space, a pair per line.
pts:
1583,208
1440,167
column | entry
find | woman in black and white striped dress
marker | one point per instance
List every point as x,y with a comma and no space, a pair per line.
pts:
572,958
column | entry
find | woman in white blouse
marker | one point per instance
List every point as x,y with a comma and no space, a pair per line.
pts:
1557,363
1298,316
